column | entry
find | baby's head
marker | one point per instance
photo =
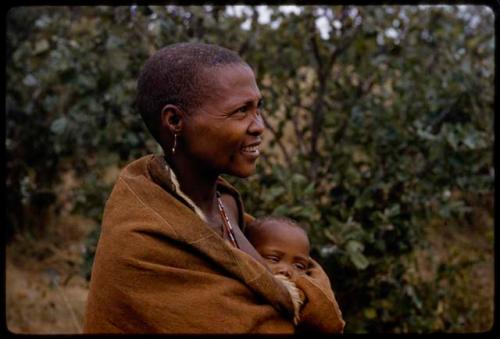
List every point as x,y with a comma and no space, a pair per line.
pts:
282,243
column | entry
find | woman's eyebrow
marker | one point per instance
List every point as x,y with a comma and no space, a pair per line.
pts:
247,103
259,100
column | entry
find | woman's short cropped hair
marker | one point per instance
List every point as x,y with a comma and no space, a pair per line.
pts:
174,75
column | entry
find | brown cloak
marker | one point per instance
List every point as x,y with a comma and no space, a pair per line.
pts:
159,268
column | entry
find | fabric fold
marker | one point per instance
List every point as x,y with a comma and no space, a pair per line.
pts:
158,267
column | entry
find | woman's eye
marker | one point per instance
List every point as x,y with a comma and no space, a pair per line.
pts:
260,107
243,109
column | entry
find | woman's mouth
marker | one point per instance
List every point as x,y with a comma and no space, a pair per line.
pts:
251,150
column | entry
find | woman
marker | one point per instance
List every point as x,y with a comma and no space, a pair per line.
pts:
172,257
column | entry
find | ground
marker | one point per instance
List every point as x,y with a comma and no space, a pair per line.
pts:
45,292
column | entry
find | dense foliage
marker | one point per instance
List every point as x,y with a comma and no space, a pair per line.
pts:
373,131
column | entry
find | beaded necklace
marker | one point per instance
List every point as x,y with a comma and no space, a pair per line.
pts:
227,228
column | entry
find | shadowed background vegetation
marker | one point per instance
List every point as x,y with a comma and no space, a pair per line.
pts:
380,138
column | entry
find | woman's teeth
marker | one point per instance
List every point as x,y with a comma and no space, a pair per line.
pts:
251,149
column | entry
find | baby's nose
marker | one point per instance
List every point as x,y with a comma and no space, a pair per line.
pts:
286,270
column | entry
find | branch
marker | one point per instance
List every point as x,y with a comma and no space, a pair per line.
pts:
265,159
346,42
437,122
278,141
216,13
323,73
318,112
298,134
253,32
318,115
365,86
314,43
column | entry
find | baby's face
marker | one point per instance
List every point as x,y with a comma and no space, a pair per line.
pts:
284,247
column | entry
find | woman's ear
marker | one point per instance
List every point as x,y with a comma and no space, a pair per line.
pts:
172,118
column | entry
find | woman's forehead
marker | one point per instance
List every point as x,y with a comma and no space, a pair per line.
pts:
230,77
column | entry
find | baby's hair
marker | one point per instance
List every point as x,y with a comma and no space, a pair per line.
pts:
174,75
256,224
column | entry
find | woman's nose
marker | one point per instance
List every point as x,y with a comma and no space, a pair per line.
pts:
257,125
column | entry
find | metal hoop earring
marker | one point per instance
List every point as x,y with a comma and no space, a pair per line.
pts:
175,144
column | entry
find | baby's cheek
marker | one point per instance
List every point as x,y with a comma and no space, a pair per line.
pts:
272,266
300,272
277,268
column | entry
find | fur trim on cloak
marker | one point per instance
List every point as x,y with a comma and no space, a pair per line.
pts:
295,293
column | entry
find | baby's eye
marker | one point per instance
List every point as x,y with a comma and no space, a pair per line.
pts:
300,266
273,258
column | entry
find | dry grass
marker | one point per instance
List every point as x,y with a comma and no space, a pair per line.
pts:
470,249
45,293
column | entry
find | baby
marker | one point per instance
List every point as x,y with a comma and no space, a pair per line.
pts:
284,245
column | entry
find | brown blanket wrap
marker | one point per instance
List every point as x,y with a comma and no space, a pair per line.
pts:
159,268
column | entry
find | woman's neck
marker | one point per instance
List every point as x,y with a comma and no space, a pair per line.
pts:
199,185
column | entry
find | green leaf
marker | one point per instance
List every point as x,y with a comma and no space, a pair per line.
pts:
298,178
359,260
41,46
281,210
393,211
410,291
354,249
309,189
354,246
370,313
59,125
274,192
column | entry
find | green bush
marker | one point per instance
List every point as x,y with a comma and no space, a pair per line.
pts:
370,131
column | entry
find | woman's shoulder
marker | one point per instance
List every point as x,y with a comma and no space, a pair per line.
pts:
137,167
151,168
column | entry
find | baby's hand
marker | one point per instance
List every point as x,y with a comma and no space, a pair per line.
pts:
296,294
320,312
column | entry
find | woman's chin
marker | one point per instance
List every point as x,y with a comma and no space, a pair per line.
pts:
243,172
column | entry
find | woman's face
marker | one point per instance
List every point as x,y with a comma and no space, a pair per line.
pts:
224,133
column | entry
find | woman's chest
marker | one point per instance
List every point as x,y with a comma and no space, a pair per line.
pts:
227,225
